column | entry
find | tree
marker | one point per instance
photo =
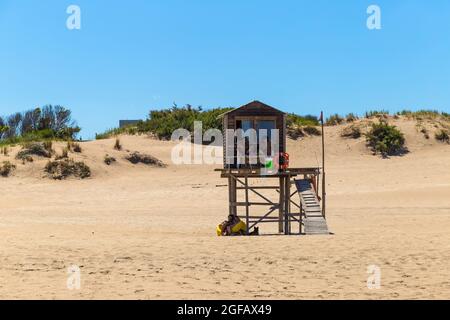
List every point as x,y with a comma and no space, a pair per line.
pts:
14,122
3,127
46,123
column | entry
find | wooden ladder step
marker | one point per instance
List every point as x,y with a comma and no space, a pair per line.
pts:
314,222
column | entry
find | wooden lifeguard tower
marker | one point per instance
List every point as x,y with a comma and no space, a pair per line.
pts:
247,175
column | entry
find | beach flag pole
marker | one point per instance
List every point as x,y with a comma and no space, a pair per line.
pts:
323,167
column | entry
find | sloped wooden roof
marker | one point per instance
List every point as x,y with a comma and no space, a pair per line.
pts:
255,106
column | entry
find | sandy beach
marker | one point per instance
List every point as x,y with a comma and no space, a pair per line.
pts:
138,232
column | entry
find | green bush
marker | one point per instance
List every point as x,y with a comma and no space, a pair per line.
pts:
308,120
385,139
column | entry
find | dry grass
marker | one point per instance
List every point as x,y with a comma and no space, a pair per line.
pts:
117,145
63,155
334,120
312,131
352,131
295,132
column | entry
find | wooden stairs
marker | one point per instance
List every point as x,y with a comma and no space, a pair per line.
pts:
314,222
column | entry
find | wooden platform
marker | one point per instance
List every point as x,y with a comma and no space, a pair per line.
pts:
256,173
314,222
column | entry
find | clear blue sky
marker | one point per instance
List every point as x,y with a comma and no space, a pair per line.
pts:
300,56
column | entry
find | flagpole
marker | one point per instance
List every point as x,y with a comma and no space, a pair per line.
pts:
323,168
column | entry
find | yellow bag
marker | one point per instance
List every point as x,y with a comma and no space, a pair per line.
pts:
219,230
239,227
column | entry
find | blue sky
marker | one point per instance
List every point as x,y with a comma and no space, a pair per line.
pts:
300,56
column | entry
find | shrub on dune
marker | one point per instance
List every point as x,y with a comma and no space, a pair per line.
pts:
443,136
6,168
77,148
312,131
351,117
334,120
62,169
109,160
137,157
352,131
33,149
295,132
385,139
424,131
377,114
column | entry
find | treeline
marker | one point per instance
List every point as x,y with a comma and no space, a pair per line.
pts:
48,122
163,123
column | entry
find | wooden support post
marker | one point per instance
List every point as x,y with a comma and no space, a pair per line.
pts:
288,200
286,204
247,219
324,194
232,196
281,206
300,219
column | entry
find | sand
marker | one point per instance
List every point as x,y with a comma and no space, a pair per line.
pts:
149,233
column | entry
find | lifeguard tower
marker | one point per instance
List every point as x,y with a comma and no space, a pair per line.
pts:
247,174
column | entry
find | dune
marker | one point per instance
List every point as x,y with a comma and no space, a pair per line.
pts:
142,232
